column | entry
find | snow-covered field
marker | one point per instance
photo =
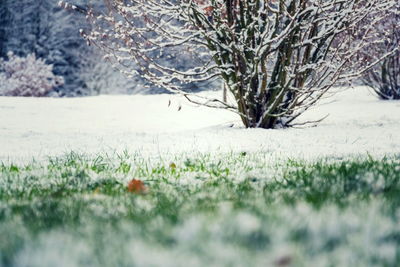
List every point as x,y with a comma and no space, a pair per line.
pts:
203,206
358,123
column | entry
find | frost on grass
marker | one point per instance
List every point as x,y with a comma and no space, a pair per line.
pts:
222,210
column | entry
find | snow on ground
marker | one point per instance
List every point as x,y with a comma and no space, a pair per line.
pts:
358,123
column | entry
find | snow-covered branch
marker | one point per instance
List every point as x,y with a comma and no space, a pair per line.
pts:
276,57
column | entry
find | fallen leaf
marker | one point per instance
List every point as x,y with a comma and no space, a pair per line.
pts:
285,260
137,186
172,165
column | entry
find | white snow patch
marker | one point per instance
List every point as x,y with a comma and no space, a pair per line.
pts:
358,123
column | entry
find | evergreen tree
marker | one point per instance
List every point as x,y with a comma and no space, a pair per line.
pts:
43,28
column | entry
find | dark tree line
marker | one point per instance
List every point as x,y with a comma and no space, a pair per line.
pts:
45,29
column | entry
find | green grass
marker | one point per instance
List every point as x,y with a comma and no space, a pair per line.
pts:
224,210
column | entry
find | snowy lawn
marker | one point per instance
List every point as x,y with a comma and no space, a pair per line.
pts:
358,123
224,210
213,195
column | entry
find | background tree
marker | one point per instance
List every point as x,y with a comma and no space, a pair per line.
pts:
42,28
4,13
277,58
27,76
384,78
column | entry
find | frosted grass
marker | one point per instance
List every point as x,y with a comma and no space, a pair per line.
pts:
235,209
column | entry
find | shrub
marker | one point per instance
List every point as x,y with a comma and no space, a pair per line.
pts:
277,58
27,76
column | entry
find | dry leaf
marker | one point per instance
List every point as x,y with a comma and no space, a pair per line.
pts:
137,186
285,260
172,165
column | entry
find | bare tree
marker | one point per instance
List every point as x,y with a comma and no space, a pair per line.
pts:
384,78
276,57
